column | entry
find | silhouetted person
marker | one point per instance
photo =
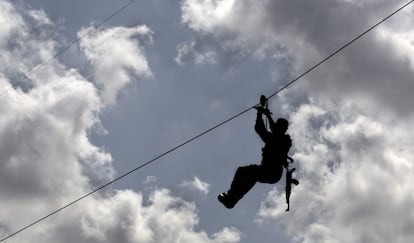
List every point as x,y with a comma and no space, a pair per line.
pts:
274,157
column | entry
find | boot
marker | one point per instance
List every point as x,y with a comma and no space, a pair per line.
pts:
226,200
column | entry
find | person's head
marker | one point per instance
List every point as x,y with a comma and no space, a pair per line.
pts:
280,126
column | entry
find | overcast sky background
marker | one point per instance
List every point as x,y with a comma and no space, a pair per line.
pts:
161,72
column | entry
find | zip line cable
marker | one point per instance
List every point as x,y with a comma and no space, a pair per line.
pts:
210,129
64,49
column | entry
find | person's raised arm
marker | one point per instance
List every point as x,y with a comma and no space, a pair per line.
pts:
260,126
269,117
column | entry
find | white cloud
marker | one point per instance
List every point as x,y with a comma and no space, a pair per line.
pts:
19,44
206,15
164,218
40,17
46,157
227,235
9,21
150,179
197,185
239,25
401,42
355,178
127,217
46,125
186,53
116,55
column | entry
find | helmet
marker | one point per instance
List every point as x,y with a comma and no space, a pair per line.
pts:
280,126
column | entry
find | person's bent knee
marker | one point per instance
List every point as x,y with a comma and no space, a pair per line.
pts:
247,169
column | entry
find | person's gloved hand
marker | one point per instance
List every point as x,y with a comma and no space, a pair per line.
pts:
263,110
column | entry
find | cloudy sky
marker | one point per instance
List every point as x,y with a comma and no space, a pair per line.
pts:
160,72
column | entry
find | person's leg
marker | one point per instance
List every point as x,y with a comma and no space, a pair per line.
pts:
244,180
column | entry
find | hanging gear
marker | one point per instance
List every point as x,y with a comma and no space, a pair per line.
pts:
289,181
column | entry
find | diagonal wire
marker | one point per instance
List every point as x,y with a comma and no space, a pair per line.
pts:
67,47
210,129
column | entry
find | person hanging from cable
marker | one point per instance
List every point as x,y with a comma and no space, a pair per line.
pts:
274,158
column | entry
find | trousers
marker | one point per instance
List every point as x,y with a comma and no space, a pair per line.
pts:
247,176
